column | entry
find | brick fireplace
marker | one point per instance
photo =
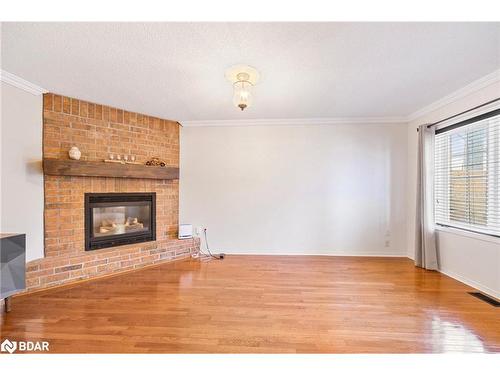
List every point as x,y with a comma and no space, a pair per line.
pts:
97,131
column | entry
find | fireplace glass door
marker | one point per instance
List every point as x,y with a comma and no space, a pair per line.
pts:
127,218
114,219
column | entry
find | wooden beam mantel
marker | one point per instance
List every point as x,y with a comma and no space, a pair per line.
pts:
67,167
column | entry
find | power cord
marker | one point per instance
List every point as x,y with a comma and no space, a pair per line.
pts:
219,256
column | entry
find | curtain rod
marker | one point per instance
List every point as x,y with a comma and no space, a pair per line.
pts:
461,113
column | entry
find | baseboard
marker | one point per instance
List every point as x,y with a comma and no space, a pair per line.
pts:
471,283
335,254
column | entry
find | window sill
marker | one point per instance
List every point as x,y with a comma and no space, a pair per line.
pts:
465,233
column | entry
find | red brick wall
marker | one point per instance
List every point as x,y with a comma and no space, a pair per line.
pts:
98,131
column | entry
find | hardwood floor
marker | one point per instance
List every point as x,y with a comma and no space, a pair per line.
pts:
261,304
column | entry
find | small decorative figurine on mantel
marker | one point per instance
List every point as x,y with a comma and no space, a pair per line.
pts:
157,162
117,158
74,153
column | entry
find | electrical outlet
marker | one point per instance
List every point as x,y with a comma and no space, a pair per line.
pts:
198,231
387,243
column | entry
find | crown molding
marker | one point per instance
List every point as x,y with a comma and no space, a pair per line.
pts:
471,88
296,122
21,83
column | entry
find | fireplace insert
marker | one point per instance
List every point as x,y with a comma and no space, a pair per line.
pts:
114,219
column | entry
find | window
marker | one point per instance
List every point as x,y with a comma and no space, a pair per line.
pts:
467,175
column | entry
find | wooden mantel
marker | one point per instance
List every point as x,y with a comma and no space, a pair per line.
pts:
68,167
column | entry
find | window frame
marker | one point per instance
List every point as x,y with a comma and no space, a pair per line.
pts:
444,129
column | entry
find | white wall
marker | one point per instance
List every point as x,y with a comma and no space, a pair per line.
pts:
474,260
21,175
319,189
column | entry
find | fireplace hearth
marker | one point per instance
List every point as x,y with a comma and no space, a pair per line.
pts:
115,219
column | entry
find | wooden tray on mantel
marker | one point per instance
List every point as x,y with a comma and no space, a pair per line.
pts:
68,167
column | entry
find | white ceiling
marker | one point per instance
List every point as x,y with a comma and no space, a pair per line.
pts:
308,70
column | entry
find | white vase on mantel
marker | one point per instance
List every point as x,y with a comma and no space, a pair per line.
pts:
74,153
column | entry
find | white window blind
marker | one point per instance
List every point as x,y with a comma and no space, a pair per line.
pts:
467,175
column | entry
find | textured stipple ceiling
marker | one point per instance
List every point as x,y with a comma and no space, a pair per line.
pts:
308,70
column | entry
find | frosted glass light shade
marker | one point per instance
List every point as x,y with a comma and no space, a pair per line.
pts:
242,96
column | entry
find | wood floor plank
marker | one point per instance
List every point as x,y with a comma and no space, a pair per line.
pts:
261,304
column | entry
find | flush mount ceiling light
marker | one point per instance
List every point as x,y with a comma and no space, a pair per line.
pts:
243,78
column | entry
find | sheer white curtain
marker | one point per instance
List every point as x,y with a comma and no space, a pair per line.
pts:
425,238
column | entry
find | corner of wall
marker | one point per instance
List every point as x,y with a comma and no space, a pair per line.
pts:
21,154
